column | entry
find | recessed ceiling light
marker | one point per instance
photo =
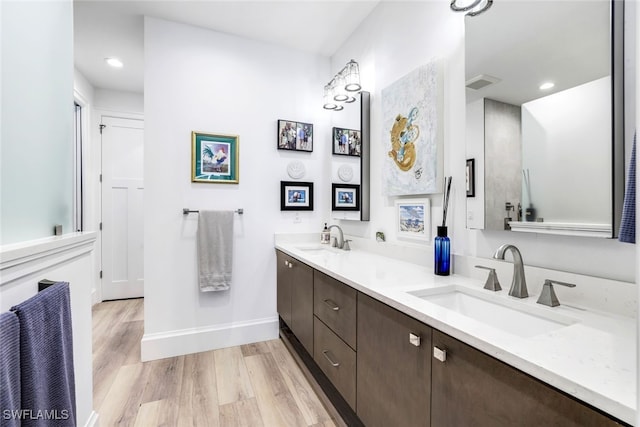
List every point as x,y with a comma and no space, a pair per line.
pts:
546,86
114,62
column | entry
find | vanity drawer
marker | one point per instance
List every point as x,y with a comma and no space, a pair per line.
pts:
335,304
336,359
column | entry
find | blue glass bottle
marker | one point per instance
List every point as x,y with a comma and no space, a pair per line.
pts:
442,251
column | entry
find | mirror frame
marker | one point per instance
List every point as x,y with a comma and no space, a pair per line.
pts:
365,156
618,125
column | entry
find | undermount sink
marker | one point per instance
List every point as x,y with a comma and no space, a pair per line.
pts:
505,314
317,248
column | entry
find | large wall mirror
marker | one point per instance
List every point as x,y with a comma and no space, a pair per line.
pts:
350,160
545,117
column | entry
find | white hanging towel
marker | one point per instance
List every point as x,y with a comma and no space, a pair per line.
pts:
215,250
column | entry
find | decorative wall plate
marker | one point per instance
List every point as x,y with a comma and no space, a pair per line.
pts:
296,169
345,173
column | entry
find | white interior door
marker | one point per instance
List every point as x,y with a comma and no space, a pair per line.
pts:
122,215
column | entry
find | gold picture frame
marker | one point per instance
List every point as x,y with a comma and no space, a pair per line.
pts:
215,158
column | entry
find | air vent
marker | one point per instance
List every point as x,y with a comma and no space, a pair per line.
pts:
480,81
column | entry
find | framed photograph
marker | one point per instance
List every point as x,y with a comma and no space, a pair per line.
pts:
295,136
470,177
214,158
347,142
345,197
296,196
413,219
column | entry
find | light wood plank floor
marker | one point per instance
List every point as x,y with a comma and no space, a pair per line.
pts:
251,385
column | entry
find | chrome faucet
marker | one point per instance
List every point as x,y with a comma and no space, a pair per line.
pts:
341,244
518,284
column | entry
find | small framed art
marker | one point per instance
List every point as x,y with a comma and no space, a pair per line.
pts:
413,219
347,142
470,177
345,197
295,136
296,196
214,158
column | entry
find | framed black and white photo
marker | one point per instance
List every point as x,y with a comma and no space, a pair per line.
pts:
470,177
296,196
295,136
345,197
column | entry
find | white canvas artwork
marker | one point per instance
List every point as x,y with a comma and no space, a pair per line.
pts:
412,133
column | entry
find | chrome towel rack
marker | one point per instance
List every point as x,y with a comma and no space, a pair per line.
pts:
187,211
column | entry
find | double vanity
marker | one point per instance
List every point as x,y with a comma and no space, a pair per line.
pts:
396,345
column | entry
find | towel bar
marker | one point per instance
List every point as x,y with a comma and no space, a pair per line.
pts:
187,211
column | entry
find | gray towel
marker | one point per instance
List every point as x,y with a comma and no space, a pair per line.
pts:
215,250
9,369
46,358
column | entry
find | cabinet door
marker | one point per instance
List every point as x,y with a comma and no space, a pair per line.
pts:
283,303
337,360
471,388
302,303
394,375
335,304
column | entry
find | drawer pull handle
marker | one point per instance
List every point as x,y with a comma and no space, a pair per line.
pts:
286,263
439,354
326,354
332,305
290,265
414,339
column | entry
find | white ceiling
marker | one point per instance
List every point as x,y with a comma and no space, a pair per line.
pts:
110,28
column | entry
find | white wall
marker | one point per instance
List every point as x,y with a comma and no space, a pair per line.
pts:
392,41
66,258
120,101
562,149
201,80
474,138
37,119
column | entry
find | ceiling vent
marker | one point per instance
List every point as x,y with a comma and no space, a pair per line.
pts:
480,81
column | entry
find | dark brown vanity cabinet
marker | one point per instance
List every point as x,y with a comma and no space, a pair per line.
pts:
295,298
394,367
393,370
470,388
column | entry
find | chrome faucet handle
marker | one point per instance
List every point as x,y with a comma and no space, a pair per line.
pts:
548,295
346,246
492,282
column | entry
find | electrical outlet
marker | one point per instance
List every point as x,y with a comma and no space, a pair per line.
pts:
297,219
470,215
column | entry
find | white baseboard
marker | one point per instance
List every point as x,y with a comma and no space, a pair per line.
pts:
194,340
93,420
94,297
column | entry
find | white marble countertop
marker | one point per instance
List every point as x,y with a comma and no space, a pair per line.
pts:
593,359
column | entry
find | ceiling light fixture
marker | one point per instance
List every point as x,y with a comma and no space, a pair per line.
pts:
546,86
476,7
114,62
329,103
342,87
